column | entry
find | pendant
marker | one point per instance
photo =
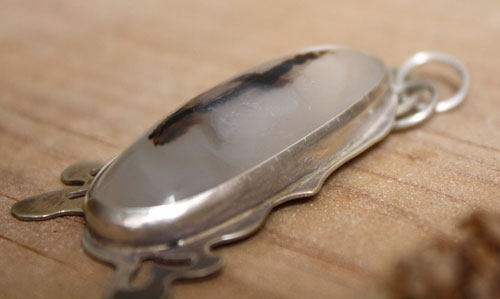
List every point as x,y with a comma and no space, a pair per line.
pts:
211,172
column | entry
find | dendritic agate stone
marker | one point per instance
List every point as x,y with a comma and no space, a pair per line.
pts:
239,126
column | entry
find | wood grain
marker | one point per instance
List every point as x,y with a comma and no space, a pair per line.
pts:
80,80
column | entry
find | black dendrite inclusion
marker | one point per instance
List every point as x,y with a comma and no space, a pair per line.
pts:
180,121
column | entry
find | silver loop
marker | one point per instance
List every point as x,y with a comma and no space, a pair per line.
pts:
422,58
405,103
424,110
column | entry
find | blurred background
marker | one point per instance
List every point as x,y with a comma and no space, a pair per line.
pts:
141,54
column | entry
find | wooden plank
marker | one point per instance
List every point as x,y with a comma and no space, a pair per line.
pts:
81,80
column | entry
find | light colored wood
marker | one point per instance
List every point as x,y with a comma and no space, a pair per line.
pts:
80,80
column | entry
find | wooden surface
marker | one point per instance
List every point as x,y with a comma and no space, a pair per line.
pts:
80,80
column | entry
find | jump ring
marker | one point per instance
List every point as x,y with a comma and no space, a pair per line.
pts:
422,58
424,110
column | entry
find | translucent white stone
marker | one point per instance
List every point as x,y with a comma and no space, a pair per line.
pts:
237,125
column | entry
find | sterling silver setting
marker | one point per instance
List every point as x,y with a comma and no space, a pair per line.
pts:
313,111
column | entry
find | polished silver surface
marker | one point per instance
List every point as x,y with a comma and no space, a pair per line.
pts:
212,171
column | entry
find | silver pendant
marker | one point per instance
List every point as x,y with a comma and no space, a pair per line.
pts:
211,172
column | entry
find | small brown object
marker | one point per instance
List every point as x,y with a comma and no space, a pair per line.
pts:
469,268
